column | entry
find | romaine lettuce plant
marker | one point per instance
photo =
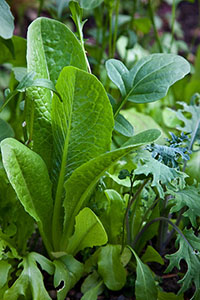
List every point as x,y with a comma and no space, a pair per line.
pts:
51,174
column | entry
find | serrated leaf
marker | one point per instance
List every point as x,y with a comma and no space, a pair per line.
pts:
150,78
123,126
162,174
110,267
6,20
67,271
33,188
188,197
29,284
145,288
189,255
57,47
83,180
89,232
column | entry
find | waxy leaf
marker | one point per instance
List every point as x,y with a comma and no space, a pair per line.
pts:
88,232
110,267
188,197
123,126
6,20
67,272
50,47
28,176
30,282
145,288
150,78
83,180
190,254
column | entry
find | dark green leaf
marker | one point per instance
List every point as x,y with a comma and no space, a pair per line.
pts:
92,287
5,130
4,270
110,267
151,255
19,59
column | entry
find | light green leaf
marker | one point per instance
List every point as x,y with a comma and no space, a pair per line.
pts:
28,176
67,270
5,130
188,197
150,78
151,255
110,267
88,232
4,270
162,174
92,287
145,288
29,284
167,296
6,20
83,180
51,46
123,126
190,254
90,4
19,59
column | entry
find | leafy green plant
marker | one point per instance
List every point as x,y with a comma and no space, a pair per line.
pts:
62,173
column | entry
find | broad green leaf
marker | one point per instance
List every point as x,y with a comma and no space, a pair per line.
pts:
67,271
90,4
83,180
6,20
9,45
151,255
19,59
167,296
89,232
145,288
30,282
82,124
92,287
190,254
45,263
28,176
51,46
123,126
144,135
4,270
113,222
150,78
5,130
110,267
162,174
188,197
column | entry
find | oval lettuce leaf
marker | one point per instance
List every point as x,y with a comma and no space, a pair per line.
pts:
150,78
50,47
88,232
28,176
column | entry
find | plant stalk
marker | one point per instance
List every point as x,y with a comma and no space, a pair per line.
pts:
151,14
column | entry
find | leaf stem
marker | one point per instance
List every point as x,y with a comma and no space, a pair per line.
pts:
116,27
151,14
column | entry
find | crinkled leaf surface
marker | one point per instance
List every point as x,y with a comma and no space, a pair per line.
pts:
150,78
110,267
67,271
188,197
28,176
162,174
191,123
19,59
6,20
88,232
82,181
145,288
51,46
82,124
190,257
29,284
